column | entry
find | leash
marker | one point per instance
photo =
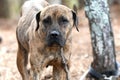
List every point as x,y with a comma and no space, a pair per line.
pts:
65,66
108,75
64,63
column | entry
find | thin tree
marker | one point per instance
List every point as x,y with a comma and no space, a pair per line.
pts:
104,65
4,9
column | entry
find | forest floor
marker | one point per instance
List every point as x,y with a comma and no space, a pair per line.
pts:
81,47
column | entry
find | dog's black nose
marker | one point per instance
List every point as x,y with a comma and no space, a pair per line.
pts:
54,34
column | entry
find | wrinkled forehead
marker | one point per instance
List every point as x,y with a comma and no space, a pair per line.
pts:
56,11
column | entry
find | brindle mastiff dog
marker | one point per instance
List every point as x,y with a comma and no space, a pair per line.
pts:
44,33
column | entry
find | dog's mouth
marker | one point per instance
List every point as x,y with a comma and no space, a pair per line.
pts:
54,42
55,38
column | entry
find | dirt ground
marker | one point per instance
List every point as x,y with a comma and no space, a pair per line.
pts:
81,47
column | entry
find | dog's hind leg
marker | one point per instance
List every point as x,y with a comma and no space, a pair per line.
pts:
22,60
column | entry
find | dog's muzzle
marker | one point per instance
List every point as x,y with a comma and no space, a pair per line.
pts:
55,38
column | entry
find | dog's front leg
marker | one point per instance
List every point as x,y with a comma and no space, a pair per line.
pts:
36,66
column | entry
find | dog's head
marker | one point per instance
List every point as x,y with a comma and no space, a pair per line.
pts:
55,22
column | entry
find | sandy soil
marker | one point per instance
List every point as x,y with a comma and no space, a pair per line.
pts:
81,47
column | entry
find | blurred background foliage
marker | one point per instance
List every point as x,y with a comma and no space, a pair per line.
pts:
11,8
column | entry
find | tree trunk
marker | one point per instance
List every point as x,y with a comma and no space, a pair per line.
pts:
4,9
104,58
111,2
81,4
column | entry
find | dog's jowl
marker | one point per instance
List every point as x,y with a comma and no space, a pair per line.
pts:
43,31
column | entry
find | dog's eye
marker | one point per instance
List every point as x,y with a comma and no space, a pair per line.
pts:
47,20
63,20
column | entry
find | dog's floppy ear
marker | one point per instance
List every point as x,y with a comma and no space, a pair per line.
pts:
37,20
75,20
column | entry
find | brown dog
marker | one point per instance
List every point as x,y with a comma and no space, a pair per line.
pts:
44,32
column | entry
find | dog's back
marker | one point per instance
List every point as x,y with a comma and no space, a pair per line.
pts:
28,12
30,8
